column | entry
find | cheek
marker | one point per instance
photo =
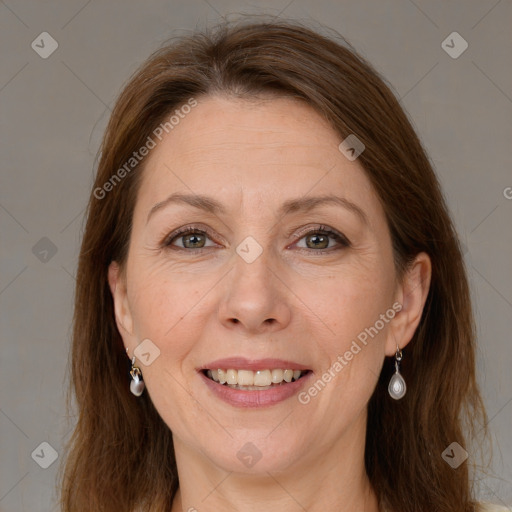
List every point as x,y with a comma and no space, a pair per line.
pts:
162,300
351,305
168,314
345,303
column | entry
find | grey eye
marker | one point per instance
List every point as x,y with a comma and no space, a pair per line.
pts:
317,241
193,240
190,239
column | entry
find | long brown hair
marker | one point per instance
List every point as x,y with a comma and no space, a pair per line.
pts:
121,453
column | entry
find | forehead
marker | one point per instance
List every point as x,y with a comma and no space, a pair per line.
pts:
258,150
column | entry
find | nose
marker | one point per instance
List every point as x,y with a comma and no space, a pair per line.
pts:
256,300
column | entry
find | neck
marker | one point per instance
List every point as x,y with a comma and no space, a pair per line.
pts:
334,478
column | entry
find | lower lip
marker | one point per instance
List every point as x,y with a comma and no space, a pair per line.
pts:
252,399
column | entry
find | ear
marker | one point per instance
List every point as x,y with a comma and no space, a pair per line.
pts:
124,320
411,295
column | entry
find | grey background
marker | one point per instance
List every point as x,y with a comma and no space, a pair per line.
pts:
54,111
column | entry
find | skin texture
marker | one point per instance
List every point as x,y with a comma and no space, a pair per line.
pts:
293,302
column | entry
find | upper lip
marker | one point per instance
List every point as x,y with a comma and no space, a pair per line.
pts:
242,363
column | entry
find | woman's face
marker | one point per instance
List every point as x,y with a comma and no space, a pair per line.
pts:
270,269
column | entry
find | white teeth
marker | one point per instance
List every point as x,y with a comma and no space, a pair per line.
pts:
232,377
246,378
277,376
250,388
253,379
262,378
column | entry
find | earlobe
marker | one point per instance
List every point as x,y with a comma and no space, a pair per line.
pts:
117,285
412,294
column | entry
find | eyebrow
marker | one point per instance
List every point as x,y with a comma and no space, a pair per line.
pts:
302,204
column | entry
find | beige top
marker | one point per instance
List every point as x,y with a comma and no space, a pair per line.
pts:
490,507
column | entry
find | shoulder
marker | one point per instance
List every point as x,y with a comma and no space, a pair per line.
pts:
490,507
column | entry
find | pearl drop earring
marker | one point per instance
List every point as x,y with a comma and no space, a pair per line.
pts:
137,383
397,387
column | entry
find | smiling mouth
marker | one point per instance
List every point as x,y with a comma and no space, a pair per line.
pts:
258,380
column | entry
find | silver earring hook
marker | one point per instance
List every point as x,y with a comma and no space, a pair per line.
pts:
398,358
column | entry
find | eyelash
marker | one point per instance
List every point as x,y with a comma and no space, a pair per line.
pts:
321,229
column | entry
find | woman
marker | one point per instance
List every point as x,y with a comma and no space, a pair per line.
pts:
271,305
